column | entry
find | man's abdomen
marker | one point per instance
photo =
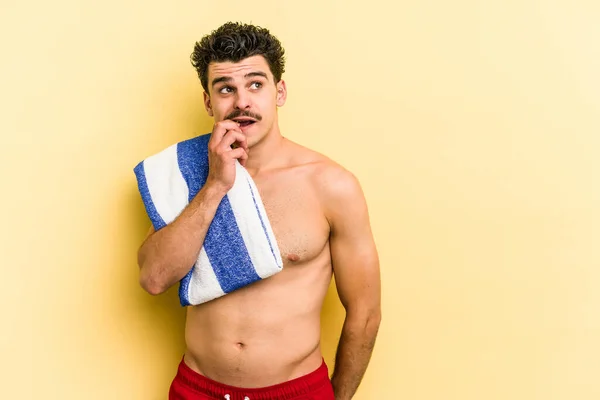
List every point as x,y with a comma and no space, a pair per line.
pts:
258,336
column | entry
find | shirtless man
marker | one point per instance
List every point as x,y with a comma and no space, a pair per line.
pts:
263,341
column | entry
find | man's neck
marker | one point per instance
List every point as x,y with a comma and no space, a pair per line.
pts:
263,155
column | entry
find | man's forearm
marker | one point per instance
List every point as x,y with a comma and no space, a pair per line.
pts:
168,254
353,354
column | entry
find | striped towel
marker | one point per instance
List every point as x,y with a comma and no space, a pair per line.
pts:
239,247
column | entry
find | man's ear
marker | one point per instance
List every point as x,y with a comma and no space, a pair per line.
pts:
281,93
207,104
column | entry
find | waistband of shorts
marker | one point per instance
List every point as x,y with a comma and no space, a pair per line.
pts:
296,387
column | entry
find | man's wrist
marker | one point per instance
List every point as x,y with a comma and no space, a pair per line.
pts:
213,192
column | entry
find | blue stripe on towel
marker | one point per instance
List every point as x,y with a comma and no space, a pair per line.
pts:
184,285
192,155
262,222
227,251
223,243
154,216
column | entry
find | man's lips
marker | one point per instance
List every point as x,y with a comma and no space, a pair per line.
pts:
245,121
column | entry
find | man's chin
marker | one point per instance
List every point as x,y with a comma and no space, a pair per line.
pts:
254,138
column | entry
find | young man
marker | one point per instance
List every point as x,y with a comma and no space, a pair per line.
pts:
263,341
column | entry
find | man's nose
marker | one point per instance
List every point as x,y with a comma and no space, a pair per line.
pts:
242,100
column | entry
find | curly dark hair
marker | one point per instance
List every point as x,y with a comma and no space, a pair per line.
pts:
235,42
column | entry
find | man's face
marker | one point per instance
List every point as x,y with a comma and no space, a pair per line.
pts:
245,92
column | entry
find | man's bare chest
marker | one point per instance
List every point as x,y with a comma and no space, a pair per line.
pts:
296,217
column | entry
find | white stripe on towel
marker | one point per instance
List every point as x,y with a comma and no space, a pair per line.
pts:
247,218
166,185
203,285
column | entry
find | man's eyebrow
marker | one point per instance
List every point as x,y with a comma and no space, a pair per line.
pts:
221,79
248,75
256,73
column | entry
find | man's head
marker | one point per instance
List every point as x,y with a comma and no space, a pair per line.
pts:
240,68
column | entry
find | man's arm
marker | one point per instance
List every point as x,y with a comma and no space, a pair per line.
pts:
168,254
356,269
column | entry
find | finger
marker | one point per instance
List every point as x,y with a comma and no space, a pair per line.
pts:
239,154
220,129
234,137
240,141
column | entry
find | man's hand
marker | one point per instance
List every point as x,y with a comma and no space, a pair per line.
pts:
227,144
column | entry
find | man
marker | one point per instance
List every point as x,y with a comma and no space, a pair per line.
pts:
263,341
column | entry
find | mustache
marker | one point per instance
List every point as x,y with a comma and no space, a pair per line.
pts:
240,113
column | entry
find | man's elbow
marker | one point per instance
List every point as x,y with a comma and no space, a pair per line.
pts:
152,286
147,278
373,321
367,320
150,282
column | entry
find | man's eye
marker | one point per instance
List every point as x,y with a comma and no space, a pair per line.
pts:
256,85
225,89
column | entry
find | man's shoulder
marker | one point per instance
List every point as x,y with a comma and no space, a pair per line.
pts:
333,181
336,183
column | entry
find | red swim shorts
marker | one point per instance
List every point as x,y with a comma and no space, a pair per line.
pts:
189,385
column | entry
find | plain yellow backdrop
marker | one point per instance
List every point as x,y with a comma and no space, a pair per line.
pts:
473,126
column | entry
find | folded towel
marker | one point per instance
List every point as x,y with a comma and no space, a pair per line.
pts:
239,247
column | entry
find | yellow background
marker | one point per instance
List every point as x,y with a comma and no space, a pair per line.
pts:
472,125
